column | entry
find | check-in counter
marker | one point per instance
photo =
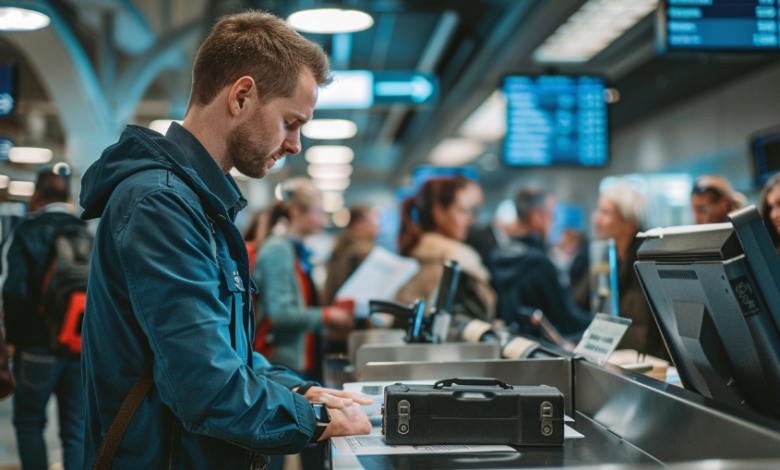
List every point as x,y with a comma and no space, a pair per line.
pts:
628,420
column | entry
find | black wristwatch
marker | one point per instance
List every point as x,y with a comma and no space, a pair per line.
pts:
323,420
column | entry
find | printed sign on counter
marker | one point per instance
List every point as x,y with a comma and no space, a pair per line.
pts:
602,338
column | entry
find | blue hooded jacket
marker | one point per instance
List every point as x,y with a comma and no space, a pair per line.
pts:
169,284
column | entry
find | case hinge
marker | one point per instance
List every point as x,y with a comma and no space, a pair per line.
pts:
546,414
404,411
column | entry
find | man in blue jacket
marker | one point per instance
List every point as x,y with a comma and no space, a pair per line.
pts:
170,282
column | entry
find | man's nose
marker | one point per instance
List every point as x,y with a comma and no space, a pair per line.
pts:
292,145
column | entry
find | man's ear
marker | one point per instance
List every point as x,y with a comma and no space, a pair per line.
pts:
241,93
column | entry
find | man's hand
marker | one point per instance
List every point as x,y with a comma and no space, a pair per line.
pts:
339,318
349,421
334,399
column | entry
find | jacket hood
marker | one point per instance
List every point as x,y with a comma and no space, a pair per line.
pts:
138,149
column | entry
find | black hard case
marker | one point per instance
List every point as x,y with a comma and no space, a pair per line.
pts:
472,411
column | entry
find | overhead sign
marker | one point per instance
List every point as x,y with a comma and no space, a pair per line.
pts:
363,89
5,147
6,89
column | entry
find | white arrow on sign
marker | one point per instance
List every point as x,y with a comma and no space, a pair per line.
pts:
418,88
6,103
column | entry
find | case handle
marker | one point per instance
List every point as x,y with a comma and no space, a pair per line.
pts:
478,381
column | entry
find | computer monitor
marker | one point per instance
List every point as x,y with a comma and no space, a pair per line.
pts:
714,291
765,150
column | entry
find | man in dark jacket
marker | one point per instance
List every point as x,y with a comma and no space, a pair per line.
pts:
170,282
523,274
39,372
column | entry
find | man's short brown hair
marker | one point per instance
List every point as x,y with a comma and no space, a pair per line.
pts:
259,45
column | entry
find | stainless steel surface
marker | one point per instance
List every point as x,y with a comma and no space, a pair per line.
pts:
423,353
358,338
670,423
553,372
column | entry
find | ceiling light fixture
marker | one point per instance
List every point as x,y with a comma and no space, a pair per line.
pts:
30,155
331,184
330,171
456,152
22,19
591,29
330,21
329,129
488,122
330,154
332,201
162,125
21,188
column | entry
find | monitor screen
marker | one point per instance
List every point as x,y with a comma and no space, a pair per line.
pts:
765,149
701,25
714,291
555,120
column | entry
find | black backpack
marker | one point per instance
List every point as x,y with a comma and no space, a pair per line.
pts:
64,290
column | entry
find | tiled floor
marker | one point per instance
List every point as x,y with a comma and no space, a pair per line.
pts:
9,458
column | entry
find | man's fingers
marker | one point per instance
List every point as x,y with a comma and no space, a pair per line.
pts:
334,402
358,398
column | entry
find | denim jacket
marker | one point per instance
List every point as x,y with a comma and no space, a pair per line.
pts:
169,283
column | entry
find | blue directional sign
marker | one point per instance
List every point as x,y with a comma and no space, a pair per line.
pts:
413,88
363,89
6,89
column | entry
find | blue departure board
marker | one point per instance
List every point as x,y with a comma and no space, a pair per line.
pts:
555,120
724,25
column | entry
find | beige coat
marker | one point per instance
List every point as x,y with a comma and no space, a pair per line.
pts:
434,249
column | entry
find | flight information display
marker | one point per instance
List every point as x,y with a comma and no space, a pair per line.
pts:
555,120
719,25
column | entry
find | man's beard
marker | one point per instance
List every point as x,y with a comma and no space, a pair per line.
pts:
252,161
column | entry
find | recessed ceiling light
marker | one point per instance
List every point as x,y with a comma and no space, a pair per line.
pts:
330,154
591,29
21,188
331,184
329,129
341,217
330,171
330,21
29,155
22,19
332,201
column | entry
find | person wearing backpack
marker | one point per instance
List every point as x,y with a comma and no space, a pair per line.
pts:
45,268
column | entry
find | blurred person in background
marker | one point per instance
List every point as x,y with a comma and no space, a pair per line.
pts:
434,226
40,368
712,198
255,233
620,216
287,295
523,274
770,209
351,247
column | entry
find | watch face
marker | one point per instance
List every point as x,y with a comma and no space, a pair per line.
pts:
321,413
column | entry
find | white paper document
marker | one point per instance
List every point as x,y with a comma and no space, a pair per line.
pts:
374,444
378,277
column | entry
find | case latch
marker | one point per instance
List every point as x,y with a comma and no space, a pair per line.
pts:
404,410
546,414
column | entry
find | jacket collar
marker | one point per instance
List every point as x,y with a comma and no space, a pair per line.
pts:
221,185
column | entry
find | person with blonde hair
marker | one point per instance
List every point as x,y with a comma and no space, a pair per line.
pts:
287,294
712,198
620,216
770,208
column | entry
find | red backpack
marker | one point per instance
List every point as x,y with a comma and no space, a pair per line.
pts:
264,340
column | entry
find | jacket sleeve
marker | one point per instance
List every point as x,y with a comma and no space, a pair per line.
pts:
15,288
278,374
173,282
280,295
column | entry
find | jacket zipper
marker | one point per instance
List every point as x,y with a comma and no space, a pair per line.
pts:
173,442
